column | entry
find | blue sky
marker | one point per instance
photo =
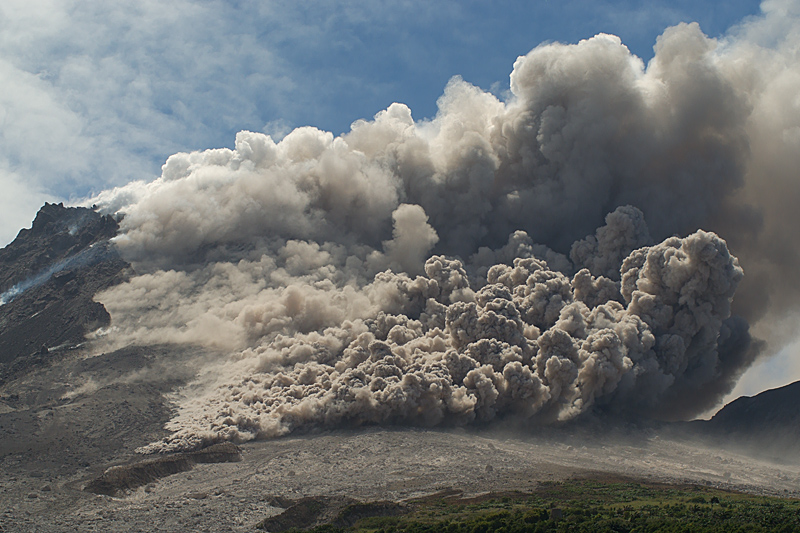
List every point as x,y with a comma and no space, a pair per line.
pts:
97,94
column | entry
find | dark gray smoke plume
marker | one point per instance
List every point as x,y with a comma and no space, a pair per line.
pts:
451,270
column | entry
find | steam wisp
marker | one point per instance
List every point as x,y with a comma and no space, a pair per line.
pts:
95,253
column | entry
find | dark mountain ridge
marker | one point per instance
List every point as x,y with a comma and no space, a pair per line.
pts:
48,277
767,424
57,234
772,408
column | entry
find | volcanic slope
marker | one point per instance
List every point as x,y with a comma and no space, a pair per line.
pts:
48,277
71,411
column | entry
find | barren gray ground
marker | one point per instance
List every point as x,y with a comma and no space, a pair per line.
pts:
366,464
62,426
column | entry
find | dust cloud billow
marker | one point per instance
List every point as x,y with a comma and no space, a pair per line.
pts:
538,257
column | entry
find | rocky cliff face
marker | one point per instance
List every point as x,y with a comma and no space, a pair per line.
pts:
48,277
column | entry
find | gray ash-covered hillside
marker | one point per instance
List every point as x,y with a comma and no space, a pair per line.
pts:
67,406
48,278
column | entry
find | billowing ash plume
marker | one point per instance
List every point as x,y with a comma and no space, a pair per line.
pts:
531,342
451,270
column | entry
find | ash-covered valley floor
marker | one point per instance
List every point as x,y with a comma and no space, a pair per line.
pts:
63,425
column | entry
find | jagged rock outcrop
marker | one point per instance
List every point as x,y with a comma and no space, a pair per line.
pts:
48,276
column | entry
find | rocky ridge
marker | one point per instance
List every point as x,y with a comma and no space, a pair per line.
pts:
765,425
48,277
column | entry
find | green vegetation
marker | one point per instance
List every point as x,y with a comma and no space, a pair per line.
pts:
591,506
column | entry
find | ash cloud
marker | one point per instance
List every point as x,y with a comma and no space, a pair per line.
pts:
537,258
